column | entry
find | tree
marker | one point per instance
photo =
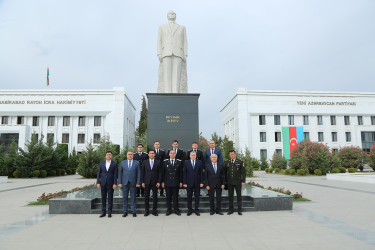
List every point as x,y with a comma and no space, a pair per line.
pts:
247,160
89,162
142,125
228,145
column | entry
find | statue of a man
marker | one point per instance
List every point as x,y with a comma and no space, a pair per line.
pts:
172,53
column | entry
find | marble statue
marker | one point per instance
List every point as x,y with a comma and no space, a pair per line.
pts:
172,53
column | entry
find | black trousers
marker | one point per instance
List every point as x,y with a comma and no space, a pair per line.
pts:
190,190
238,188
140,190
211,194
161,190
106,190
148,189
172,194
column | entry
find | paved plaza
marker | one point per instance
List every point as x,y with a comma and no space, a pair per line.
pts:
340,216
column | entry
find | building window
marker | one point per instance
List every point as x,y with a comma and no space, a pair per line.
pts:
97,121
81,121
263,153
306,135
96,138
20,120
81,138
334,136
66,121
333,120
360,120
372,120
35,121
279,151
4,120
346,120
35,137
51,121
368,140
262,120
51,136
263,137
65,138
320,120
335,150
348,136
305,120
320,137
291,119
276,119
277,136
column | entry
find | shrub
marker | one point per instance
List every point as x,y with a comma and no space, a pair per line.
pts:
52,172
371,157
277,170
310,156
270,170
287,171
335,170
292,171
16,174
352,157
43,173
88,162
278,161
264,163
267,170
301,172
317,172
74,170
351,170
36,173
69,171
342,170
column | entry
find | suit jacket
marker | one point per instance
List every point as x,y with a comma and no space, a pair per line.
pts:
217,151
172,174
105,177
180,154
200,155
134,174
235,173
193,177
151,176
214,180
172,40
160,156
141,157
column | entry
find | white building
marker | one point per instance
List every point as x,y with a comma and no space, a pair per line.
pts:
74,117
254,119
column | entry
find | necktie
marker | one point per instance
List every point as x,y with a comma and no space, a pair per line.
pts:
212,151
193,164
157,151
215,169
130,165
172,162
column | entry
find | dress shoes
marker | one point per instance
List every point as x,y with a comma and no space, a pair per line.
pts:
197,213
212,213
125,214
134,215
239,213
178,213
221,213
147,214
189,213
101,215
230,212
155,214
137,195
109,215
162,195
168,213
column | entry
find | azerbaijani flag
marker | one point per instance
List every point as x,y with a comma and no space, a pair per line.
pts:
291,137
47,76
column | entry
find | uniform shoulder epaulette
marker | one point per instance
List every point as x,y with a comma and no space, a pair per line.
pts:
146,153
166,160
178,160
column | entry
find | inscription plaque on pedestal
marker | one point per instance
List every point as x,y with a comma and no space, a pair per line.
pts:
172,117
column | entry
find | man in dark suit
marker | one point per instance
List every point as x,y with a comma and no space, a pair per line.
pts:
179,152
140,156
151,178
193,181
129,179
171,181
106,181
199,153
212,150
160,156
235,176
215,181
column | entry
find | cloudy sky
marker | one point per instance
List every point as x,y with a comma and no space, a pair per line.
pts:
323,45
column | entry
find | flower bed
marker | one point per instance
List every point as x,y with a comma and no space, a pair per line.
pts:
296,196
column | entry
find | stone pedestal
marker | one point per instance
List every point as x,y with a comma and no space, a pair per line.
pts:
172,117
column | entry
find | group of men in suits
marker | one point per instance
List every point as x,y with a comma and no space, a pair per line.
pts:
141,172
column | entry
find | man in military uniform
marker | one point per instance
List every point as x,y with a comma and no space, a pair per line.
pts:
172,181
235,175
140,156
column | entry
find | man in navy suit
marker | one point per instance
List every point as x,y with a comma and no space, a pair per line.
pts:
151,178
179,152
129,179
215,181
171,181
140,156
160,156
106,181
193,181
194,147
212,150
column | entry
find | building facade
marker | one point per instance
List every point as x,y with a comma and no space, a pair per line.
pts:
254,119
73,117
